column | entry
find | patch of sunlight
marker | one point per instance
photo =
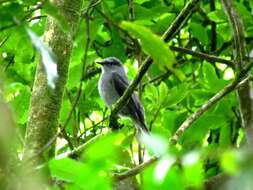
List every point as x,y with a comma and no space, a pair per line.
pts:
37,13
96,116
205,140
191,158
179,147
157,144
162,168
136,64
20,155
81,126
221,66
229,74
251,53
4,55
60,143
240,137
11,96
184,33
174,40
126,68
194,48
87,123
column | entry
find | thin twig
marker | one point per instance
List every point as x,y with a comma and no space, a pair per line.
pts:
232,86
81,147
134,171
208,57
226,90
4,40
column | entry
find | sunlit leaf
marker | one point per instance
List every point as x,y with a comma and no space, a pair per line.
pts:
153,45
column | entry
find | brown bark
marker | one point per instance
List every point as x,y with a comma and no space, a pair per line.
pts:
245,95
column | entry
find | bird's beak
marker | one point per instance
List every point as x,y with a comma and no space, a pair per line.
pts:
100,62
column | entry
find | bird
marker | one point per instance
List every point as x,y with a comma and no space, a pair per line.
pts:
112,84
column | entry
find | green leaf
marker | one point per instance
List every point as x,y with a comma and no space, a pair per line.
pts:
79,174
152,45
217,16
176,94
199,32
66,169
19,97
163,92
212,82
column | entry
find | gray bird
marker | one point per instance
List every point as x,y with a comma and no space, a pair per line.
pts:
112,84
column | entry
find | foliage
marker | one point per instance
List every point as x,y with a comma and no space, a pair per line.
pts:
175,86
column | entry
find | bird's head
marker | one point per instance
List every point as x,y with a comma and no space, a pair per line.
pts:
111,64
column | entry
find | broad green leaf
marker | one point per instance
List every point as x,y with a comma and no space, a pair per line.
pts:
153,45
163,92
66,169
162,22
225,136
199,32
211,81
217,16
79,174
176,94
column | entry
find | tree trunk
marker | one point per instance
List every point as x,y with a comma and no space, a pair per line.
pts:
46,102
245,94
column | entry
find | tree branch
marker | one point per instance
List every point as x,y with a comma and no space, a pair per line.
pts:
84,60
81,147
175,26
227,89
237,83
134,171
207,57
245,92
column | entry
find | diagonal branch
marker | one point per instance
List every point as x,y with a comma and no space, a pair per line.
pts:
173,28
186,124
134,171
205,56
237,83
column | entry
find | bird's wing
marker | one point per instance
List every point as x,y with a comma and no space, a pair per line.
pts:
134,106
120,83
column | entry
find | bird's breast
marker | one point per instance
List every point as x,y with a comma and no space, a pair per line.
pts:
107,90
